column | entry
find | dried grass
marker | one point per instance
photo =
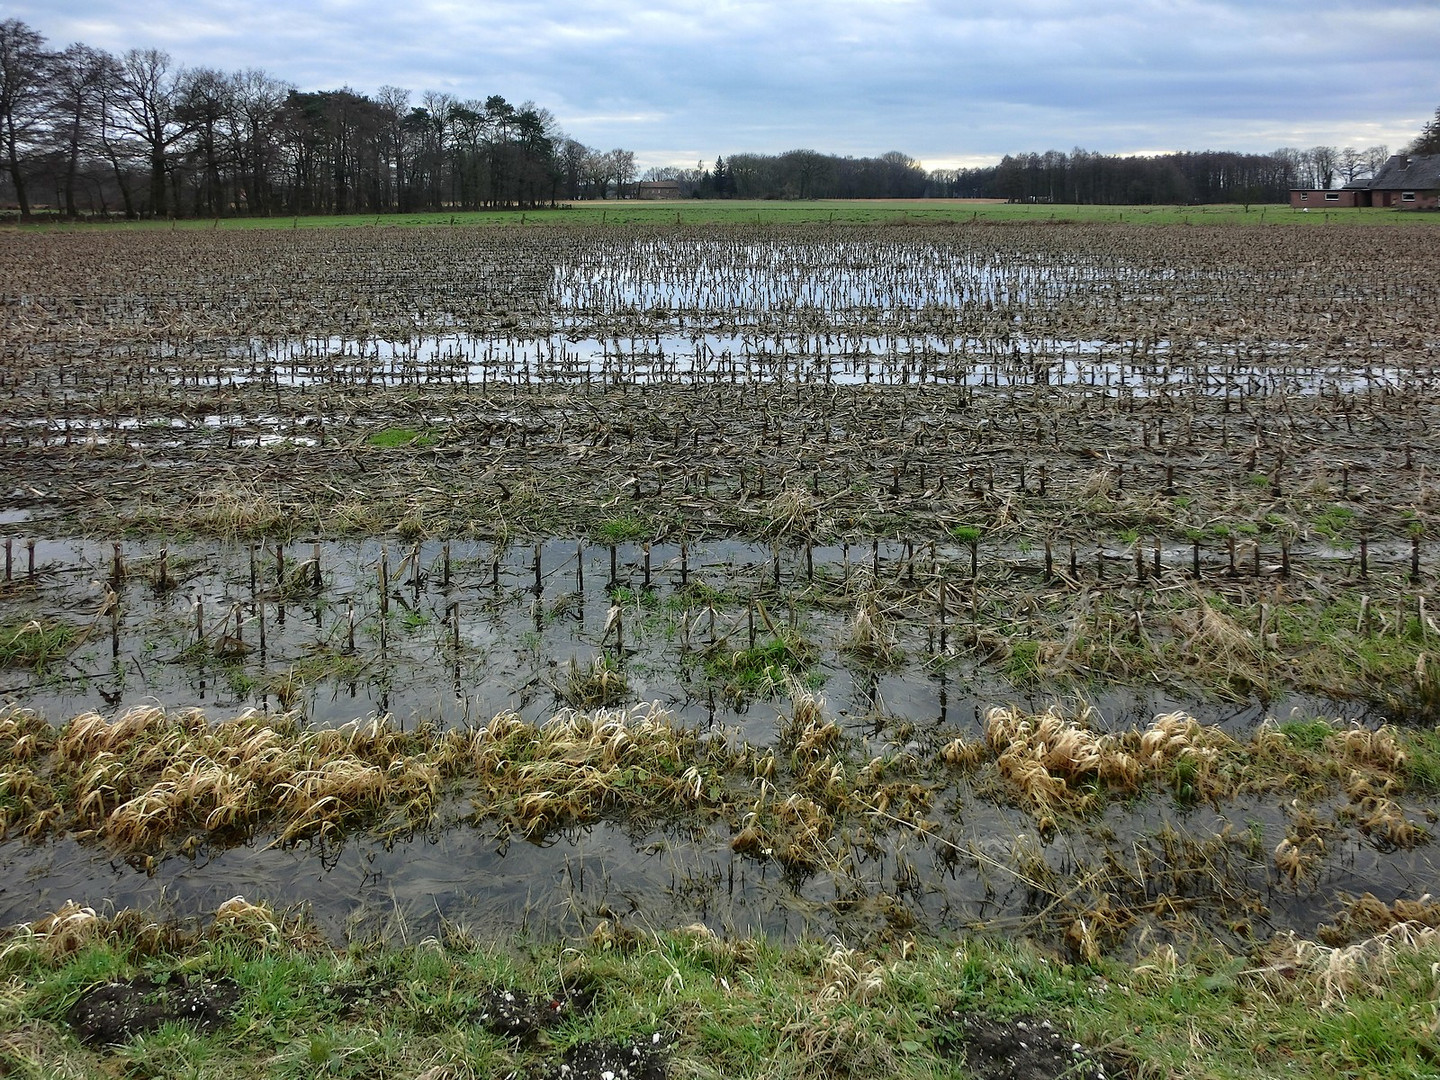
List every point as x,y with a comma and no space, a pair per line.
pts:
1053,763
1330,974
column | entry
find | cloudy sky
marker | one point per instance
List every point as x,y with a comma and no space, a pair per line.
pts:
951,82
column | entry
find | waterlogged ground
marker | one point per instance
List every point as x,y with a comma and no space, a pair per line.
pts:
288,626
441,476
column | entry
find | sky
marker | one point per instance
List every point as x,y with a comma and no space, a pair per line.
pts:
952,83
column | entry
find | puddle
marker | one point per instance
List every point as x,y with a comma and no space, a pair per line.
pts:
1217,369
976,874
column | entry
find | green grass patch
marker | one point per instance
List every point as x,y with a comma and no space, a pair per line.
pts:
1307,735
1022,664
760,671
646,599
1334,521
1422,758
625,529
392,438
37,643
895,212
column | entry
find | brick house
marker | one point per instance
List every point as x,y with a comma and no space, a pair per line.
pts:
1405,182
1411,182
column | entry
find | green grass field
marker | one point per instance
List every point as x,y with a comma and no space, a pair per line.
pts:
854,212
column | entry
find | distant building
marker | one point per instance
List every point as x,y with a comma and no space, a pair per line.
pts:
1405,181
657,189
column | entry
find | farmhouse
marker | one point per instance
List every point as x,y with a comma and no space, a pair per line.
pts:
1405,181
657,189
1409,182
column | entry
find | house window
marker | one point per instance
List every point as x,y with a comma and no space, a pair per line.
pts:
1332,196
1407,196
1304,196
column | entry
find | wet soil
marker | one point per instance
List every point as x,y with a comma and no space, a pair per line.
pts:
1023,1048
118,1011
611,1061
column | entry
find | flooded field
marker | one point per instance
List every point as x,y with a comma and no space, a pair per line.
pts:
1077,582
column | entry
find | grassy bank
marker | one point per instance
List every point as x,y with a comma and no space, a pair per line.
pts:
261,995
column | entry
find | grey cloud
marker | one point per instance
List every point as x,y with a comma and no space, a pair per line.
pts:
936,79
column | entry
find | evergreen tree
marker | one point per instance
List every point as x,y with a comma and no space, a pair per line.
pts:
1429,140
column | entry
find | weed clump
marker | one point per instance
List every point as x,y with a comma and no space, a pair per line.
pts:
624,529
392,438
600,683
762,670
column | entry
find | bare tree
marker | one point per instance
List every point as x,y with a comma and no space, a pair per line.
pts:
596,173
572,155
1352,164
24,71
146,108
78,79
622,168
205,106
1324,162
258,101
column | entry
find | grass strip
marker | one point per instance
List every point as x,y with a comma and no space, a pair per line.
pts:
269,998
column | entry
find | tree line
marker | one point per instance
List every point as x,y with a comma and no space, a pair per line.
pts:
86,131
1210,176
800,174
1082,176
